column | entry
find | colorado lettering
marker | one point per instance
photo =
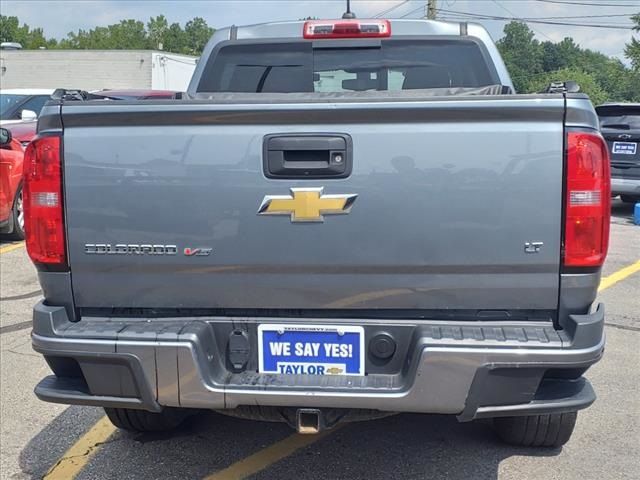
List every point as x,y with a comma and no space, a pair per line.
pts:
129,249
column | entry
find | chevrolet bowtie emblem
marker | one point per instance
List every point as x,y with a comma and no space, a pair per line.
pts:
306,204
334,371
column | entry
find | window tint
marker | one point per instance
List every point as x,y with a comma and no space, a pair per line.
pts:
260,68
35,103
396,65
8,103
619,117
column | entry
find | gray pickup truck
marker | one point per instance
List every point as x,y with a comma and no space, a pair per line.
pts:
341,220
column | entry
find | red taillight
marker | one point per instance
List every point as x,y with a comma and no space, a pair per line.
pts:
42,194
588,213
350,28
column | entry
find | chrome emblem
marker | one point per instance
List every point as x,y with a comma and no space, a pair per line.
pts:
129,249
334,370
143,249
533,247
624,136
197,252
307,204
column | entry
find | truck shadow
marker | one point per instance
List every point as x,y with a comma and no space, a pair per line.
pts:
402,446
621,213
6,239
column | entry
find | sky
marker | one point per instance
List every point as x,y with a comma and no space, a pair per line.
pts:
58,17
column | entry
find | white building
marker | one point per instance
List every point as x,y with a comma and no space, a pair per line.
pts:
95,69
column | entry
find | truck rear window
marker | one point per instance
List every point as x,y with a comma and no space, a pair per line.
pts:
299,67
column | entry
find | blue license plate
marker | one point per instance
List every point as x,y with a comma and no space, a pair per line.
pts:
624,148
311,349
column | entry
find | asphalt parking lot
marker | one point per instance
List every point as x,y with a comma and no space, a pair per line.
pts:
37,438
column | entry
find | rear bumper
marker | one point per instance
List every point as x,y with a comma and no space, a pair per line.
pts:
625,186
470,370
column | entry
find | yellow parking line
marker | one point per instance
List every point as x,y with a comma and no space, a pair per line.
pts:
621,274
267,456
75,459
10,247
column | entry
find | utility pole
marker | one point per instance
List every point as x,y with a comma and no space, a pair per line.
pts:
348,14
430,9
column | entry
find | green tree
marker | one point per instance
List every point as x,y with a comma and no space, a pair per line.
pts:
196,34
533,65
11,31
132,34
9,28
522,53
633,88
97,38
632,50
158,29
174,39
128,35
610,73
587,82
558,55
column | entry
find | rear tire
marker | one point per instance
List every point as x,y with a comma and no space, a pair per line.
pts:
629,199
17,216
142,421
552,430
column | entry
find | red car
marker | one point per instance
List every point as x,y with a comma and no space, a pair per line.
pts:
11,213
25,131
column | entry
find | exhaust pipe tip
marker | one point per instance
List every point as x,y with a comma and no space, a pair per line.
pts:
309,421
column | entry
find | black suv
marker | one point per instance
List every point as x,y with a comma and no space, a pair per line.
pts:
620,125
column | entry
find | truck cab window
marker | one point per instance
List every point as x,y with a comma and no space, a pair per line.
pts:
395,65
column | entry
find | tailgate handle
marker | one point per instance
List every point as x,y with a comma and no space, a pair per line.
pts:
307,155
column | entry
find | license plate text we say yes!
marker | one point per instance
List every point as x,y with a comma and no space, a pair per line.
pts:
311,350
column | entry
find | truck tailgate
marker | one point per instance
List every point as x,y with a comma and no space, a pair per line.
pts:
449,193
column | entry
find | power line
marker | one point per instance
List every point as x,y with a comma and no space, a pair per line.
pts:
561,2
569,17
451,14
388,10
524,19
421,8
469,15
511,13
589,25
